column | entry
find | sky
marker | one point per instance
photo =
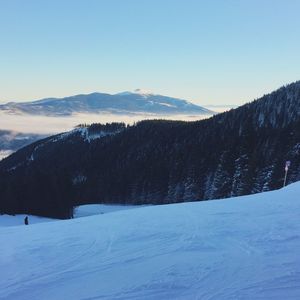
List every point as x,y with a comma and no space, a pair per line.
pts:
209,52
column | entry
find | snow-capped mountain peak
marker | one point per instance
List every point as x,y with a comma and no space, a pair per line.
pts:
141,92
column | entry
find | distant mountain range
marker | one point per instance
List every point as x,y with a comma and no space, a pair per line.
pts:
220,108
11,141
239,152
137,102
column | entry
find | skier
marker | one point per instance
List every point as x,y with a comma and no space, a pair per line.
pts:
26,220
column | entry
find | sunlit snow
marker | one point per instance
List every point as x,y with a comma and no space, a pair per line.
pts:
240,248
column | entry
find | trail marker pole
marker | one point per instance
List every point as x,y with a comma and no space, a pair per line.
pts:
287,165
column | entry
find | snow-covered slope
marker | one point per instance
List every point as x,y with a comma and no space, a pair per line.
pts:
79,212
99,209
242,248
5,153
18,220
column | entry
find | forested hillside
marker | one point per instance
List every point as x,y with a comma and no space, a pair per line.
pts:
239,152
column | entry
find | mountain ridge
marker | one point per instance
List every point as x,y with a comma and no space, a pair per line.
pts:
121,103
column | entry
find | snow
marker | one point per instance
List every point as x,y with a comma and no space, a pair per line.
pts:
240,248
142,92
97,209
84,133
5,153
16,220
166,104
136,91
79,212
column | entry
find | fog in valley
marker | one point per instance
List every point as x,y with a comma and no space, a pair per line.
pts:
52,125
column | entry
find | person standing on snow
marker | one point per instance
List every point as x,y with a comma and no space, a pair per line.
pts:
26,220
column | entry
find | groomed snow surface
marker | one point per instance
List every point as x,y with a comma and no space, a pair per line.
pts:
240,248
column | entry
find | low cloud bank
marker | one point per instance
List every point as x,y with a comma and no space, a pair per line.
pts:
53,125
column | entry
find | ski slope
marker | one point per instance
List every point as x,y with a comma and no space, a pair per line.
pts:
240,248
8,220
79,212
98,209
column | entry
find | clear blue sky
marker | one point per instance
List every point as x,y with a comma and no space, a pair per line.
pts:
209,52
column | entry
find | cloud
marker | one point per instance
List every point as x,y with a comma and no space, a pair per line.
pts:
53,125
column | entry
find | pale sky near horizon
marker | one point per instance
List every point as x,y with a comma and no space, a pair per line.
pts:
208,52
